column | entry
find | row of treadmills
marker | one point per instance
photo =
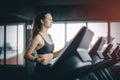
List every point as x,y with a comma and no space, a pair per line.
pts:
80,62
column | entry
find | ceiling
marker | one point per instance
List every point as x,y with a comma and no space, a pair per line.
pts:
25,10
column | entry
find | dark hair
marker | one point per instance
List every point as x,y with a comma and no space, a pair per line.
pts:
37,23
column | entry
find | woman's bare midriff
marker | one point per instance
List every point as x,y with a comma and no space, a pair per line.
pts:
47,58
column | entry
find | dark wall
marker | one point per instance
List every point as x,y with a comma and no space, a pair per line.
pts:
84,12
25,12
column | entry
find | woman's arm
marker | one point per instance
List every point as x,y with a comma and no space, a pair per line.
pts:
31,48
55,54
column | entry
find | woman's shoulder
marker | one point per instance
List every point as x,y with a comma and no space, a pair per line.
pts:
37,38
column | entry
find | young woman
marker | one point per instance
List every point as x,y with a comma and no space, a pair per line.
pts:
41,43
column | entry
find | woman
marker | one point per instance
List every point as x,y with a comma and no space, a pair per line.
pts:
41,43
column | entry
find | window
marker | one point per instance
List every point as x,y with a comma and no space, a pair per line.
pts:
99,29
73,28
21,43
115,33
12,45
1,44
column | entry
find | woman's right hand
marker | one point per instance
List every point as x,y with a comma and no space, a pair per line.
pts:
47,58
40,60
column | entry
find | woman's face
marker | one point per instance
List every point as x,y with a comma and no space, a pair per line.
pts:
47,22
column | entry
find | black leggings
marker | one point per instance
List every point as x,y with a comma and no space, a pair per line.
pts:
42,72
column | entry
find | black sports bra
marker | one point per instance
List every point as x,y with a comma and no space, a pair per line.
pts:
47,48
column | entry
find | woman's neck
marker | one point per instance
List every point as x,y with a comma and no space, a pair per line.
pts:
44,30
